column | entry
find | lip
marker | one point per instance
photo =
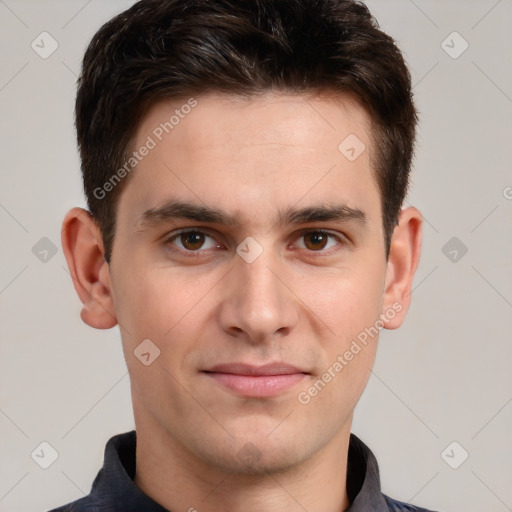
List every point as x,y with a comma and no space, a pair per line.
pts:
256,381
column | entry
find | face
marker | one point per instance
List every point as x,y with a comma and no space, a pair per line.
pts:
246,238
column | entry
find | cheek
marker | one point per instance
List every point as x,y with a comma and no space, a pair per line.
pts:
351,310
347,303
162,304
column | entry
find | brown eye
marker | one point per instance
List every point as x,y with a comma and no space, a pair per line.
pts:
192,240
315,240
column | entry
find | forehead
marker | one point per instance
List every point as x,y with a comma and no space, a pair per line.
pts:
250,153
310,120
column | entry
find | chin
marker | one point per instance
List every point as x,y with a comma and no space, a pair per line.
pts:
254,455
251,460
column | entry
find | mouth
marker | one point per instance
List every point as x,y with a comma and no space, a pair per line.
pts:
256,381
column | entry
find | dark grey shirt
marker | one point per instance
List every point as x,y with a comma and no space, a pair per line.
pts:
113,489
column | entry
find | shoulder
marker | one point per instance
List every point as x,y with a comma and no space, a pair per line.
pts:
81,505
400,506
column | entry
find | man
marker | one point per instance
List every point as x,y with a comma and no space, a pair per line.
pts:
245,164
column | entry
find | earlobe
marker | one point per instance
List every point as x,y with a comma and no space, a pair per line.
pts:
402,263
83,248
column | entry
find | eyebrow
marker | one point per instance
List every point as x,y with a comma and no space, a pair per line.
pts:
176,210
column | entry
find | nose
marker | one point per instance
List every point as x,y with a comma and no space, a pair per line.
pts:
257,303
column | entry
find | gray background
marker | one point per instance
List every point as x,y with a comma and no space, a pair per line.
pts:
444,376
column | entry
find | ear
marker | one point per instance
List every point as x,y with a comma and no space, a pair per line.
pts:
83,248
404,256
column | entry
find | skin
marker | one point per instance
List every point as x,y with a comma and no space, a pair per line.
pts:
299,302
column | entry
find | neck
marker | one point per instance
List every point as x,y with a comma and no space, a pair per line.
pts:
179,480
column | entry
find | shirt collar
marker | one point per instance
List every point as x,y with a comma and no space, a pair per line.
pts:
114,489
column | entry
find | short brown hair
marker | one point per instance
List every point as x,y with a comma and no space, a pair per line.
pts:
173,48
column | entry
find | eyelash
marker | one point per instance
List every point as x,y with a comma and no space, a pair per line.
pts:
341,239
